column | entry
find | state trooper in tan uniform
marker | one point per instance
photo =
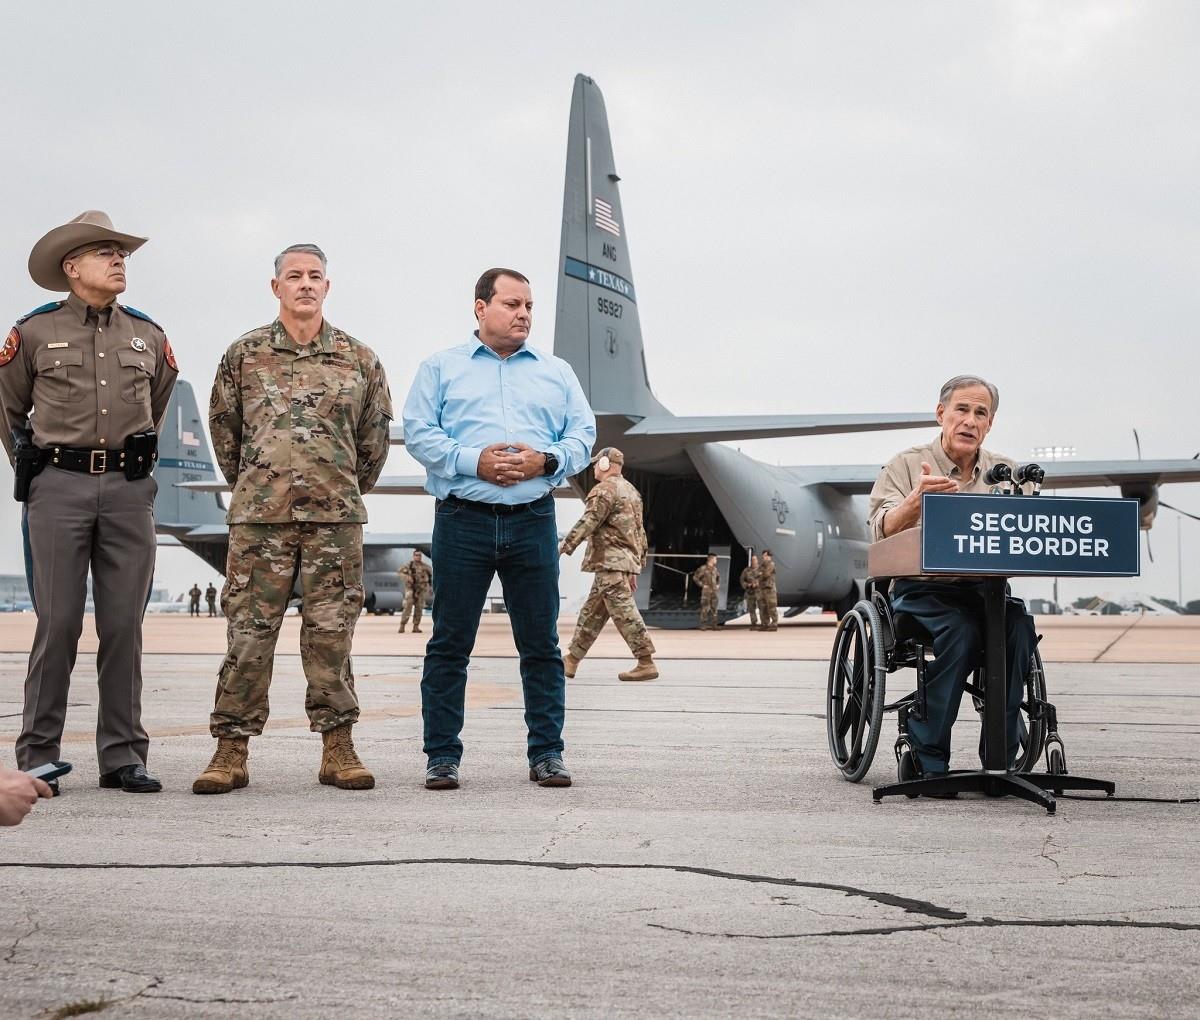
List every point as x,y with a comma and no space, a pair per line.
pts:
616,554
418,579
94,377
300,417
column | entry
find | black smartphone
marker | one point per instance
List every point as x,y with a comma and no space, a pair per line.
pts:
51,770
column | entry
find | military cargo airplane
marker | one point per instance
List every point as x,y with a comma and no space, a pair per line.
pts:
700,496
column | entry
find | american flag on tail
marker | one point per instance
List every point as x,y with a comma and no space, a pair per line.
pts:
604,217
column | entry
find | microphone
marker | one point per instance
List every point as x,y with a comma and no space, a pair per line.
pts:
1032,473
999,474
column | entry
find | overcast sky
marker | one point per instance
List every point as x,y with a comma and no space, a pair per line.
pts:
829,206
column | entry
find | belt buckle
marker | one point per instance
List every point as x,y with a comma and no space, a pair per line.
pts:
92,468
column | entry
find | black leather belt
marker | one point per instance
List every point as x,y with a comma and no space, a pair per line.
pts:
91,462
500,509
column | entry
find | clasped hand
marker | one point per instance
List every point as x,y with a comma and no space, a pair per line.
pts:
507,464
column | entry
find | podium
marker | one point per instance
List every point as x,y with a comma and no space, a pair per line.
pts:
991,538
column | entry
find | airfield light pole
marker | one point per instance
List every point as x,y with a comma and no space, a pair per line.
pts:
1053,453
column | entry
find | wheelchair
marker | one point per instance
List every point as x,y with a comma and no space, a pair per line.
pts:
873,641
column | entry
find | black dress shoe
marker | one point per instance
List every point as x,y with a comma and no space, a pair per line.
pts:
131,779
442,776
550,772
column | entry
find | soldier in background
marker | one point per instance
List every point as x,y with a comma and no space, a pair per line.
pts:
210,596
749,583
300,415
709,579
768,596
418,578
616,554
194,600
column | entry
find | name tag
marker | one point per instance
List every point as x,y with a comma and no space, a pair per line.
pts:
54,347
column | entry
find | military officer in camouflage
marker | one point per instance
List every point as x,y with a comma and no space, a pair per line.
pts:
768,597
709,579
418,578
300,416
749,583
616,554
97,376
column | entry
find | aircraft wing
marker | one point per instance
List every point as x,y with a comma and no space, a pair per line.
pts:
1074,474
723,428
388,485
858,479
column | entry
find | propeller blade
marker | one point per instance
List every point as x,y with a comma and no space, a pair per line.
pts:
1185,513
1138,443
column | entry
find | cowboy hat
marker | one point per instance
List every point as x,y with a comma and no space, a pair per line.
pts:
93,226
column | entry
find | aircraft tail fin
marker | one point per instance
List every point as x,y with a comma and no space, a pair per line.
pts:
183,456
596,328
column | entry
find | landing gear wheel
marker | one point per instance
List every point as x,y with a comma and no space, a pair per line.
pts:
855,693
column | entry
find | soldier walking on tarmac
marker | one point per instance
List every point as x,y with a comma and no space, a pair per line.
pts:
418,578
768,604
300,415
210,596
749,583
616,554
709,579
194,600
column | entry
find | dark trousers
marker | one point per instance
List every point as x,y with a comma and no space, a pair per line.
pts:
75,522
953,614
470,547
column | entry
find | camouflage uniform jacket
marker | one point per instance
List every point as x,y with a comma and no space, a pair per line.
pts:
709,578
300,430
612,523
749,579
766,575
416,576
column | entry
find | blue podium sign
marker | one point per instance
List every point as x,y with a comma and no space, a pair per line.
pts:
1032,535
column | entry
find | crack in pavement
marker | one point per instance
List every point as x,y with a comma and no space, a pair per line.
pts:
985,922
1046,844
10,955
906,903
185,998
561,835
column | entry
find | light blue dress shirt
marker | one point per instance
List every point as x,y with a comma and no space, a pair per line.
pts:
468,397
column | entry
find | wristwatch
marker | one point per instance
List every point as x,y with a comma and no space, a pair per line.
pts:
551,467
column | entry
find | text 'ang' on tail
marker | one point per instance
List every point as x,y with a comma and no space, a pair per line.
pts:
596,327
183,456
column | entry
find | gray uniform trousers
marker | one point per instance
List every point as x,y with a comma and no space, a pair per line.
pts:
75,521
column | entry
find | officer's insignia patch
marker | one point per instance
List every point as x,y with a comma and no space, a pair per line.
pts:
137,343
341,345
169,354
12,344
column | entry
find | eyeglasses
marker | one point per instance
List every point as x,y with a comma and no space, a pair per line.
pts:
106,253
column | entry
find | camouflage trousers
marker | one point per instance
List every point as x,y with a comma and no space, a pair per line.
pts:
708,607
610,596
414,605
768,606
265,560
752,598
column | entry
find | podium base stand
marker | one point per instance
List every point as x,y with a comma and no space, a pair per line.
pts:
1032,786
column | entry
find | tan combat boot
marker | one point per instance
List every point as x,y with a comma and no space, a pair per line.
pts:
228,770
340,764
570,665
644,670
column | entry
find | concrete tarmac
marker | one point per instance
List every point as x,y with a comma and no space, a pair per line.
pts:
708,861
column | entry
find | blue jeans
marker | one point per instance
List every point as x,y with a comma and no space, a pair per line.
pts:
953,614
471,546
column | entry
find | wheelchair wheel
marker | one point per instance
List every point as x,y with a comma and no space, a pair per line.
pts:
1033,724
855,694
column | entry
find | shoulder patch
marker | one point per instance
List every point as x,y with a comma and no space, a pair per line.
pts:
49,306
12,344
138,314
169,354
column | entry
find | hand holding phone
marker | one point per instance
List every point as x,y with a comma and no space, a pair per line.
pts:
51,770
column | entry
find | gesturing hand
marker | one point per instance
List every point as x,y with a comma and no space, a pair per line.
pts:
929,482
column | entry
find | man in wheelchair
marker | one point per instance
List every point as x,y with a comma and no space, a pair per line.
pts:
951,610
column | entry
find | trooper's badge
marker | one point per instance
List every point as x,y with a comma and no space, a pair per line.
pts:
168,354
12,344
137,343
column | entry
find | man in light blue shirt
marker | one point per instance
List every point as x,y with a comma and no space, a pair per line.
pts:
497,425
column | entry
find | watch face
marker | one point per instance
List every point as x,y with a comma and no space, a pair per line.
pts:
551,464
